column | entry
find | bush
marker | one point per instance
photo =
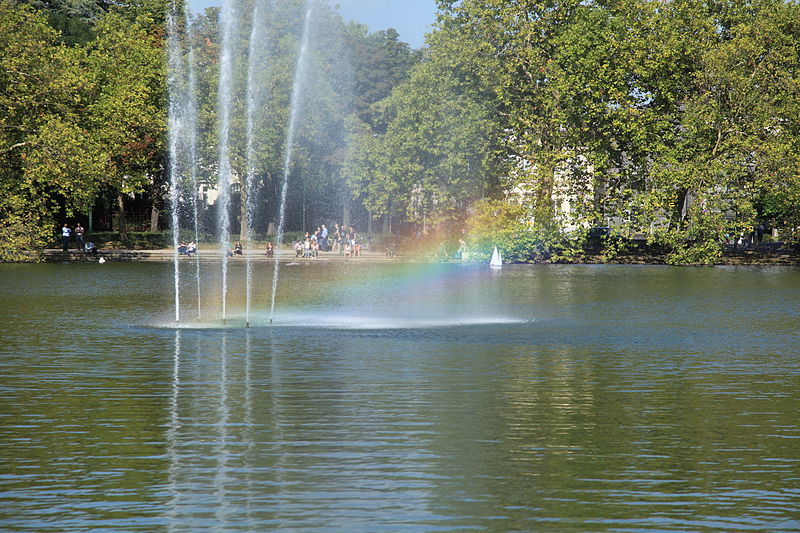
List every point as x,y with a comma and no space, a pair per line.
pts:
699,242
499,223
135,240
292,236
22,238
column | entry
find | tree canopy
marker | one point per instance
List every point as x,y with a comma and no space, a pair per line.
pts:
675,122
672,120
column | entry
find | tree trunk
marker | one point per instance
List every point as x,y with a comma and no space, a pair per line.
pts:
154,212
244,231
157,200
346,217
386,225
369,223
120,216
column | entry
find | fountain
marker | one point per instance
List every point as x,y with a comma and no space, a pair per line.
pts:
192,132
183,132
224,109
253,104
294,106
175,131
182,136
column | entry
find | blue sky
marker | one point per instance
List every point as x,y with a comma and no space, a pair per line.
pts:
411,18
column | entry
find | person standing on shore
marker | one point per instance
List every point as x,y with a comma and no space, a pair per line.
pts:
336,237
65,234
79,231
323,242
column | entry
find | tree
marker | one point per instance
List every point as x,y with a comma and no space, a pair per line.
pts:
127,111
48,157
425,151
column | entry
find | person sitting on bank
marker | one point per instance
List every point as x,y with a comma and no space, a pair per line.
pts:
237,249
90,248
270,249
182,248
191,248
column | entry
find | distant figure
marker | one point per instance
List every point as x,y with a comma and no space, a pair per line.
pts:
191,249
337,237
270,249
79,231
182,248
65,234
323,239
391,248
462,247
90,248
237,249
298,249
314,243
348,246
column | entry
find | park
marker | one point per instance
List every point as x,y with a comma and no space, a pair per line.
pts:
267,267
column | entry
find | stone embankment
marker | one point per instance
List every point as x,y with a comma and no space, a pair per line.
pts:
167,255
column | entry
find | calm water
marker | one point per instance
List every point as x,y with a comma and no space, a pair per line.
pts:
402,398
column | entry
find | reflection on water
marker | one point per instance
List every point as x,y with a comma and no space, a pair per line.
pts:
639,399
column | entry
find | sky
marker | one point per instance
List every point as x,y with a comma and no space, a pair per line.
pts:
411,18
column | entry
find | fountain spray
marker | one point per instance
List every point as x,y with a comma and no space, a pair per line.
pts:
295,105
191,126
253,102
224,108
175,131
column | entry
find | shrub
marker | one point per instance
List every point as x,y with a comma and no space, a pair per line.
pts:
22,238
502,224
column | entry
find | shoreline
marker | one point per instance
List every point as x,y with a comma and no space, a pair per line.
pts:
739,258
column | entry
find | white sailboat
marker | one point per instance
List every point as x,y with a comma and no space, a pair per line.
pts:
497,260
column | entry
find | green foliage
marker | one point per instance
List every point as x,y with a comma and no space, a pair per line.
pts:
22,237
428,149
614,245
43,147
77,120
701,242
676,120
502,224
127,115
132,240
291,237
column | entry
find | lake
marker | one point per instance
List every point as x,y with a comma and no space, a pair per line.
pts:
400,397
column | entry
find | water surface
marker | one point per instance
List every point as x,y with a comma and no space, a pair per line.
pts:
401,398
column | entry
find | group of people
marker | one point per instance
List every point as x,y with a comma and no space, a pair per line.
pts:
80,232
66,234
191,248
344,241
187,249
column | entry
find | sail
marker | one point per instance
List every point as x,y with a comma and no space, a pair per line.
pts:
496,261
